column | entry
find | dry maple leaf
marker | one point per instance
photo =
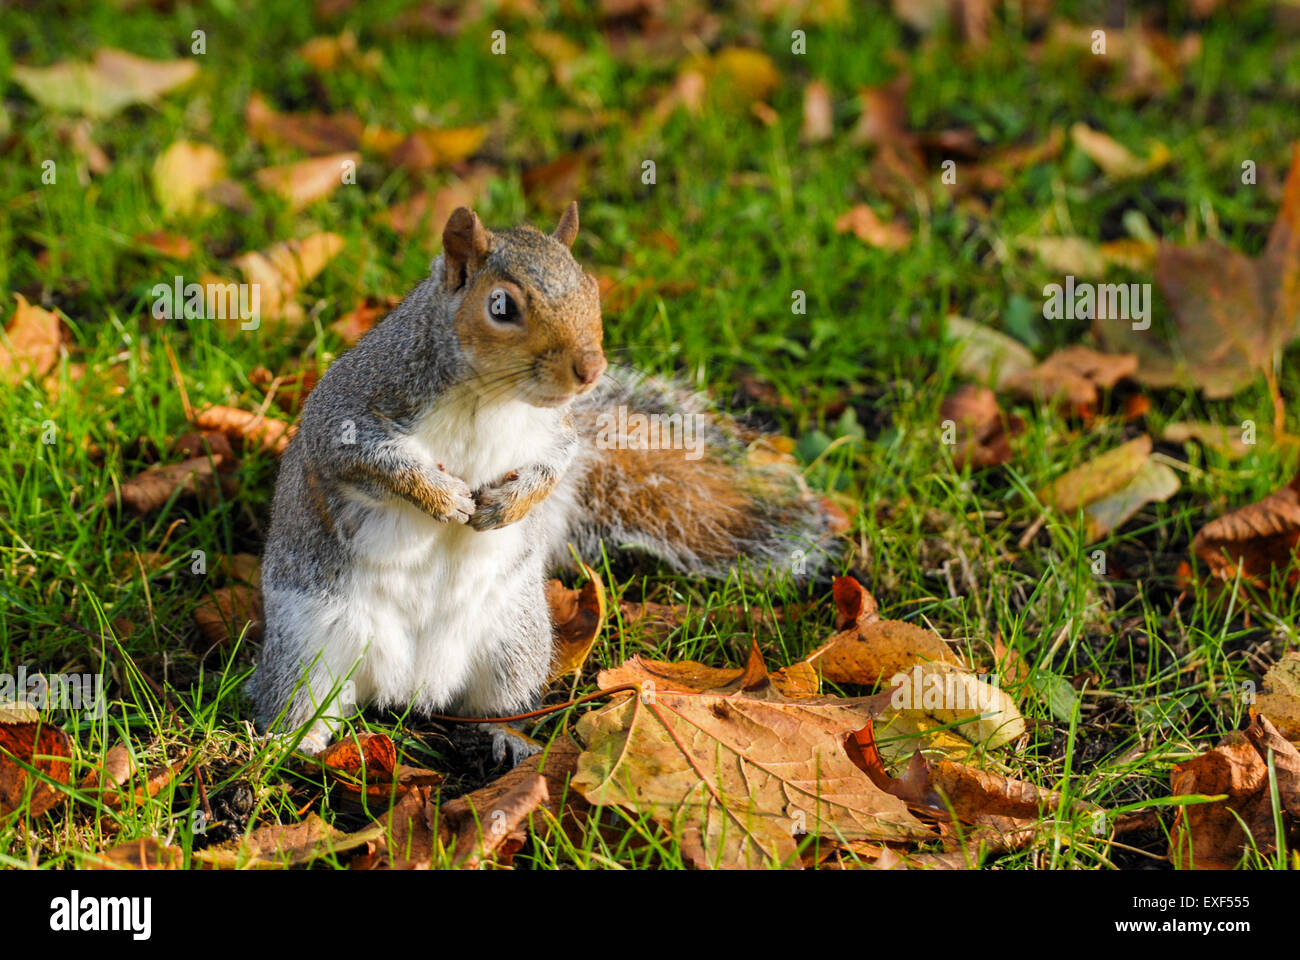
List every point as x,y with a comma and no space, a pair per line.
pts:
738,780
577,617
1214,836
113,80
30,347
1232,313
366,763
30,742
1258,541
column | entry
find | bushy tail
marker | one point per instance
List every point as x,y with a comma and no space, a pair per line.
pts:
662,471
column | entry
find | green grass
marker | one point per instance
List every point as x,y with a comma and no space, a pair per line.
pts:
752,212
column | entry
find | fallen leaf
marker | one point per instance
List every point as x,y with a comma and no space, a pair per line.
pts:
33,743
267,433
326,54
1228,442
552,186
794,682
276,846
1215,835
119,769
153,487
1075,375
182,175
314,133
1258,542
1115,159
143,853
303,183
354,325
871,230
224,617
113,80
1112,488
280,271
171,245
1279,699
735,779
427,149
986,355
30,347
1232,314
366,763
982,432
577,618
818,114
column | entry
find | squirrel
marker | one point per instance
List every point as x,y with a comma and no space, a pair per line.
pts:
447,463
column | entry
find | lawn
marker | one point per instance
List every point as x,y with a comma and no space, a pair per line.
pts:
715,152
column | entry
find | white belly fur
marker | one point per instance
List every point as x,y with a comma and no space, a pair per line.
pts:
427,600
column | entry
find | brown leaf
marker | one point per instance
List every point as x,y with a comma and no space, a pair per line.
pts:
871,230
553,186
267,433
314,133
426,213
143,853
276,846
303,183
1215,835
354,325
1257,541
818,114
150,489
366,763
37,744
1226,441
736,779
1115,159
1232,314
493,831
1076,375
577,617
119,769
983,433
795,682
30,347
222,617
280,272
171,245
427,149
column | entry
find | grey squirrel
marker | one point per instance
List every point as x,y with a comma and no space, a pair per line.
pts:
442,468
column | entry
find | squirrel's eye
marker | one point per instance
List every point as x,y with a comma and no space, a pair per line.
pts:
502,308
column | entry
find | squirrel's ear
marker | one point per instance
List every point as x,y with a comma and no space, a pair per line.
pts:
567,231
465,245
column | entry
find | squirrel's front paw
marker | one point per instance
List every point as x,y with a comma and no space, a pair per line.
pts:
458,505
506,502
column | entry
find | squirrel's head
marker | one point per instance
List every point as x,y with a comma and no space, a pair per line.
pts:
529,315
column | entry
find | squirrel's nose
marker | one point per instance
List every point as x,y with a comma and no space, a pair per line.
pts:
587,367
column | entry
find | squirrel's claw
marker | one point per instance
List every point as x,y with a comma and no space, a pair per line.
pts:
496,508
460,503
